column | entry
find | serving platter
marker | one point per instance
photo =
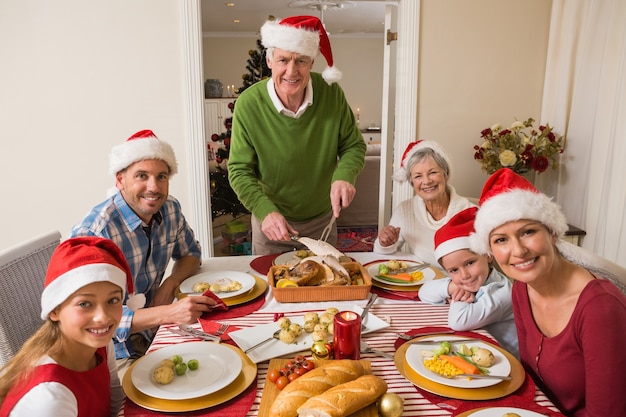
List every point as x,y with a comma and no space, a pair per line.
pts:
219,366
415,360
246,376
270,391
248,337
246,280
498,390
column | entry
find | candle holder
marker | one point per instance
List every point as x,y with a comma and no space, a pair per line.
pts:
347,335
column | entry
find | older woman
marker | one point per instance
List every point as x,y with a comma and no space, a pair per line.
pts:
415,221
571,325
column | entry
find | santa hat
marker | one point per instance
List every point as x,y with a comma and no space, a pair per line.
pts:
139,147
80,261
304,35
402,174
508,197
454,235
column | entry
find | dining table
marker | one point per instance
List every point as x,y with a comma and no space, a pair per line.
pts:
402,312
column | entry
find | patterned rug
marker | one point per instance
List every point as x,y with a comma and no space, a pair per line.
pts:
356,239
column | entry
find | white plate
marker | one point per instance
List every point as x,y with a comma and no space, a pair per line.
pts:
246,280
429,274
415,360
286,258
219,366
499,411
246,338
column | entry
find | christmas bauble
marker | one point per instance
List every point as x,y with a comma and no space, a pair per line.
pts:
390,405
320,349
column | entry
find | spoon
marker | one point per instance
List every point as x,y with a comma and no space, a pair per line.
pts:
274,336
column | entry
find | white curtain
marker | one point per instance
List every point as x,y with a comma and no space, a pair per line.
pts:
585,97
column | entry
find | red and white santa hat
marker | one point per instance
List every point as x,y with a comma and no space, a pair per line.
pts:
402,174
80,261
454,235
304,35
139,147
508,197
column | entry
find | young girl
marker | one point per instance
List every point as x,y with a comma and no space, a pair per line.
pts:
67,368
570,323
479,295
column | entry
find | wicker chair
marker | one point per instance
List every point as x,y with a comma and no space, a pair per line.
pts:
22,271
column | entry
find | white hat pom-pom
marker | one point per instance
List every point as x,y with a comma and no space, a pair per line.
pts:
331,75
136,301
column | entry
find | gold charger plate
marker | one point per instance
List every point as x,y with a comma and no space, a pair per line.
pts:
246,377
499,390
260,285
270,391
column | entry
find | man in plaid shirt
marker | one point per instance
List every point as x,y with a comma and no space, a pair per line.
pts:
148,226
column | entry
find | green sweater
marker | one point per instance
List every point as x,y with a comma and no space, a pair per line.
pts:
278,163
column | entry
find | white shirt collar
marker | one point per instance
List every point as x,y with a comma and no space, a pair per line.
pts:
308,99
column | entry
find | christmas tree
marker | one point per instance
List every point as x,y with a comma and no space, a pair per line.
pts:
256,66
223,198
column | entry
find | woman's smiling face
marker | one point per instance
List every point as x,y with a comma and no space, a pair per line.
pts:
428,179
524,249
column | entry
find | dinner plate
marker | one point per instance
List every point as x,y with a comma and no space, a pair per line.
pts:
219,366
246,280
499,412
415,360
429,274
499,390
257,290
246,377
286,258
248,337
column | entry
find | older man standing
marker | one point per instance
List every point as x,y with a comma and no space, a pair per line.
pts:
147,224
296,149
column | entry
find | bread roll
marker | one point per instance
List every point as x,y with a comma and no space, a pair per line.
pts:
313,383
344,399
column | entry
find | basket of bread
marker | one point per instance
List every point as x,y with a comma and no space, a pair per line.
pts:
321,277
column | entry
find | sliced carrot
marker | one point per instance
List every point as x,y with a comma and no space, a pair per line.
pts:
462,364
403,277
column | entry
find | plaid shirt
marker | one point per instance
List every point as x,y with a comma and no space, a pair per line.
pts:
170,238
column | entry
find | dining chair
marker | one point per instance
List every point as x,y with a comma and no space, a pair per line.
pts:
598,265
22,272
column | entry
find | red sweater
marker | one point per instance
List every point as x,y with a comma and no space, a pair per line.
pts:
582,369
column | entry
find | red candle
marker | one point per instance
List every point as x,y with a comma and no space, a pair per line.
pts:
347,335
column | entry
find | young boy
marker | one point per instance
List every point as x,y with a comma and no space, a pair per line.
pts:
479,295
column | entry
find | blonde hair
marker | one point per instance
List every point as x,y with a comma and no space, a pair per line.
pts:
47,340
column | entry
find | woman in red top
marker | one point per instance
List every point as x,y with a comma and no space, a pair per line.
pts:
571,324
68,368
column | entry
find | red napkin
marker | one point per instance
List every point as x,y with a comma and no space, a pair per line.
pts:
219,306
210,326
395,295
238,310
522,398
237,407
262,264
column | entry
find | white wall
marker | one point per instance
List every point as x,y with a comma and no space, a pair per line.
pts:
481,62
78,77
360,60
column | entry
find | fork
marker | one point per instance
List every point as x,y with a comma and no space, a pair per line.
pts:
222,329
328,229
